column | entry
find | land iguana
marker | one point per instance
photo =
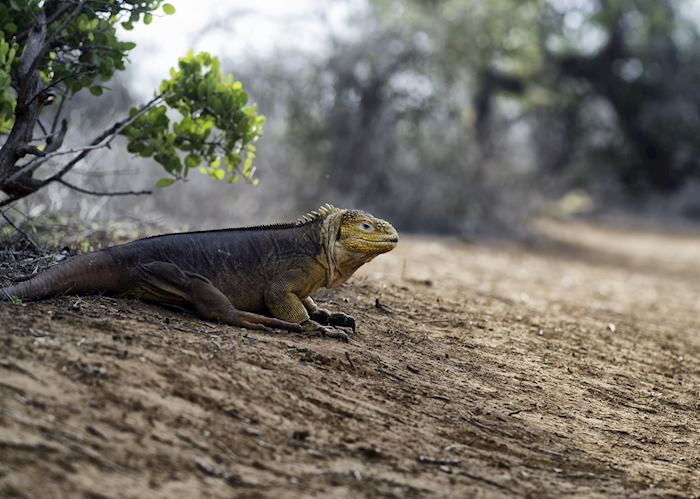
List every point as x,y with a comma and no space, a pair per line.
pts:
253,277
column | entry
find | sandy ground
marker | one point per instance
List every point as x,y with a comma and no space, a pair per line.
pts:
570,367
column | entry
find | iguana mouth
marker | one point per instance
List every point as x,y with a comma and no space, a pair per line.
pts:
370,247
393,240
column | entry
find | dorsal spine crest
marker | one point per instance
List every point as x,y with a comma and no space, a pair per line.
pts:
319,214
312,216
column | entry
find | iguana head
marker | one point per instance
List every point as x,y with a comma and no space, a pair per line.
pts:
364,234
351,238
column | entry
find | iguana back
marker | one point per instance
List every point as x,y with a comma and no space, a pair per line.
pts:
237,261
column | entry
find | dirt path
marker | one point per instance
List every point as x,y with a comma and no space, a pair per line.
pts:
487,371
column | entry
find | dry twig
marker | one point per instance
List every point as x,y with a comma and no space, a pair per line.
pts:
210,469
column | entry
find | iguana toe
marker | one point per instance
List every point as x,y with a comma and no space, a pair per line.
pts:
311,326
343,320
258,327
321,316
337,334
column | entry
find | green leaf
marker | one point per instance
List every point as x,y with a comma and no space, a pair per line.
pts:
165,182
192,160
147,18
96,90
168,9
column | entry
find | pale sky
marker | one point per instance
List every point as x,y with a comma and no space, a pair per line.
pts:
253,27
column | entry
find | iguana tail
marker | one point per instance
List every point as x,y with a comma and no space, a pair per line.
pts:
82,274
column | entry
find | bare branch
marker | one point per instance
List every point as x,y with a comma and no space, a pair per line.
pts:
98,193
102,140
20,231
58,81
108,134
49,137
55,140
41,125
60,153
97,143
26,149
59,111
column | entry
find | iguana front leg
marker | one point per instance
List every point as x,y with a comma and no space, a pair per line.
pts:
283,303
167,283
323,316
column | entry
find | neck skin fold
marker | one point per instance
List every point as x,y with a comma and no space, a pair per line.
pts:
329,234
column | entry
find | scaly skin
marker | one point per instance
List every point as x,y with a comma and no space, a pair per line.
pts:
255,277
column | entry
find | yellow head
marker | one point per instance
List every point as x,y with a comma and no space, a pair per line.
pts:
362,233
351,238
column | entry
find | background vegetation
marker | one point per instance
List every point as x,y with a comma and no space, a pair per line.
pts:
461,116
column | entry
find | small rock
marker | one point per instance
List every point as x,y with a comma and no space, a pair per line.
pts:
611,327
301,435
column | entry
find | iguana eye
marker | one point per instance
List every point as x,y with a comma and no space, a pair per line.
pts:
366,227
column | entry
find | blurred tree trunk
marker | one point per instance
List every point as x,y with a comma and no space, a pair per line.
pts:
626,98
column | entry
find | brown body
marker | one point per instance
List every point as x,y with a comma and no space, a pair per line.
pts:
255,277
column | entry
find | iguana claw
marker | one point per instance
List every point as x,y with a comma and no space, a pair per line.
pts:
321,316
337,319
343,320
311,326
337,334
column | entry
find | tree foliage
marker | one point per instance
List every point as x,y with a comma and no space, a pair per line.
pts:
52,49
644,67
394,129
7,100
559,61
458,114
215,128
